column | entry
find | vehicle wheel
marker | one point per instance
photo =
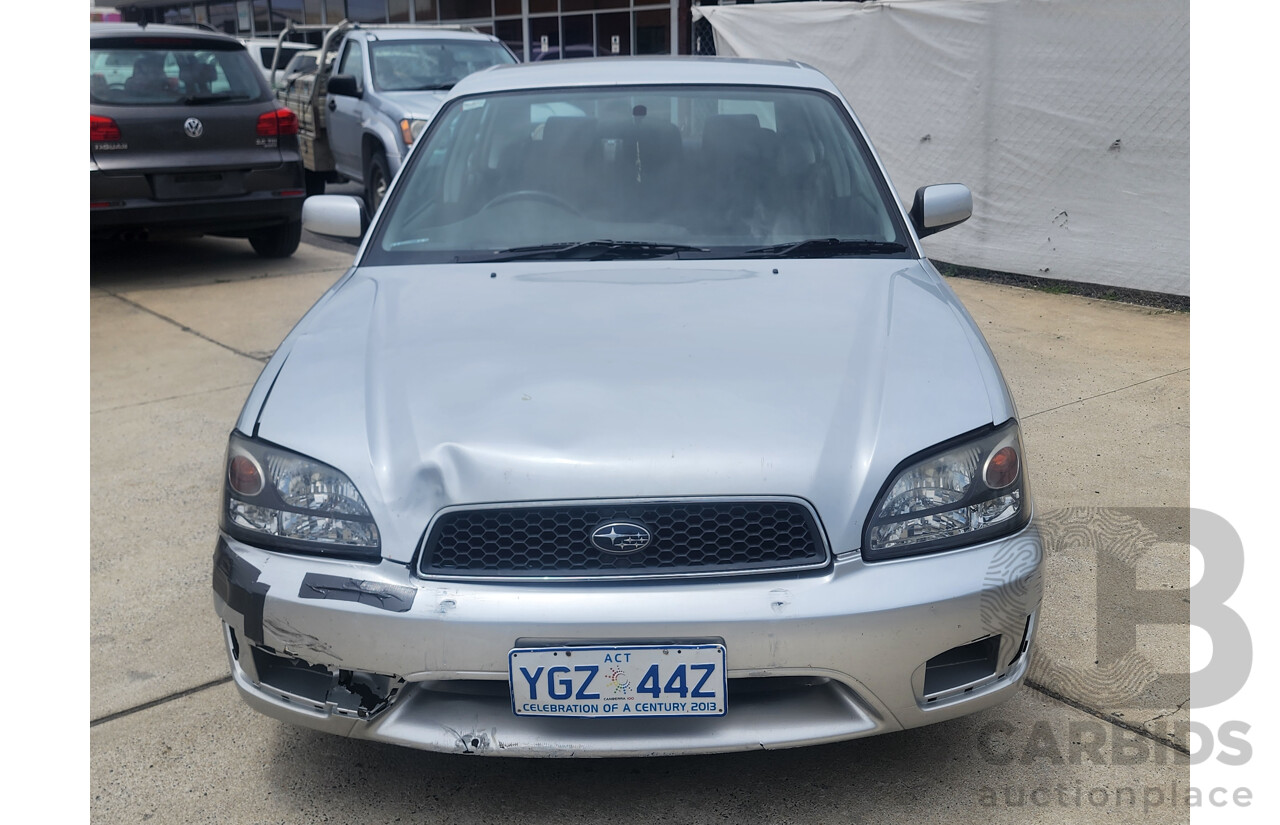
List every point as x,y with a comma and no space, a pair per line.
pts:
376,177
278,241
314,182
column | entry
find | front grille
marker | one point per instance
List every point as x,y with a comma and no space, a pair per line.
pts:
687,538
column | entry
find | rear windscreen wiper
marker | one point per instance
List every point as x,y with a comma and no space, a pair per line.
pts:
219,97
825,247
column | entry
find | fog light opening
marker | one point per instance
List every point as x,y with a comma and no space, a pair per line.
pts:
957,669
354,693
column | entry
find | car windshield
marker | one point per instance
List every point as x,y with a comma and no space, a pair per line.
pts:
301,63
138,72
640,172
418,65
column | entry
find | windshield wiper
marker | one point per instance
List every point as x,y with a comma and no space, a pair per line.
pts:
599,250
824,248
430,87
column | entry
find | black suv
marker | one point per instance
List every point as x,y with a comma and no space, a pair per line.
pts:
185,136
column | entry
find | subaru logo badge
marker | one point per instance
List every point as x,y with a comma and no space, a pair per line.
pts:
193,127
621,537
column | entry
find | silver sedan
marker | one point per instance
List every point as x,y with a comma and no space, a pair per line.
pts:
641,425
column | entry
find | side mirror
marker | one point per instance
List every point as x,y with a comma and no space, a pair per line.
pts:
940,207
338,216
344,85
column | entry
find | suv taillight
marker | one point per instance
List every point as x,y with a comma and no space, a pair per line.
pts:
102,129
279,122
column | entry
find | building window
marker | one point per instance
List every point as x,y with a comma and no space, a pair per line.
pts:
312,14
261,19
544,37
608,26
579,36
465,9
179,14
653,31
367,11
282,11
222,16
511,32
425,11
590,5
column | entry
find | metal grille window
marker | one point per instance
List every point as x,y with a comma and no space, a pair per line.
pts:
580,540
704,39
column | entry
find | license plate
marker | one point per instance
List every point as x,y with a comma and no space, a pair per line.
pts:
618,682
198,185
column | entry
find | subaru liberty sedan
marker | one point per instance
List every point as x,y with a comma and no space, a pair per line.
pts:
640,425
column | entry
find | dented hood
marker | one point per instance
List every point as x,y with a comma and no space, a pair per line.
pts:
441,385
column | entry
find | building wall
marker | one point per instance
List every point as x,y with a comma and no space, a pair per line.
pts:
1069,119
534,29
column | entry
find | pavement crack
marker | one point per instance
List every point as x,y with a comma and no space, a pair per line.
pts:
169,398
261,359
1129,726
1169,713
111,717
1108,392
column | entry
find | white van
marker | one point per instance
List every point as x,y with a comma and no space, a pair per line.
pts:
263,50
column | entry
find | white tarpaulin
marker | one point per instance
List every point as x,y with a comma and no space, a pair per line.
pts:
1069,120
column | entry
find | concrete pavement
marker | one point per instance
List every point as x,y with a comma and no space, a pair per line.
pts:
179,332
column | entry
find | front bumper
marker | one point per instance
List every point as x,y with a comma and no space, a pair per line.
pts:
854,650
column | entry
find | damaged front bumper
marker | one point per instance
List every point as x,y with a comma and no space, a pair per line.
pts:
372,651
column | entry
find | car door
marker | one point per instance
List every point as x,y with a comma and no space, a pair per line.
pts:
346,114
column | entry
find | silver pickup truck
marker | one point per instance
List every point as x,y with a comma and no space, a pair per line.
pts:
362,107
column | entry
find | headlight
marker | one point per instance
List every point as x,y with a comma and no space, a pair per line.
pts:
278,499
965,491
410,129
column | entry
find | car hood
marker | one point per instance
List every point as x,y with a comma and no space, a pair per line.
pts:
443,385
413,105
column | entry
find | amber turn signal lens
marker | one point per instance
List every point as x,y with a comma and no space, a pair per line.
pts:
244,476
1002,468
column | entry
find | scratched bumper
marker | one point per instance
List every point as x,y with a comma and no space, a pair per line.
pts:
373,652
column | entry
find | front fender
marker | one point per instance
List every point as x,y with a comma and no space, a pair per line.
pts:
381,132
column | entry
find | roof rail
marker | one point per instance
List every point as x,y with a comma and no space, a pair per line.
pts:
435,26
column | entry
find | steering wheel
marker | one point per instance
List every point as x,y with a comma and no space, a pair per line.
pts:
531,195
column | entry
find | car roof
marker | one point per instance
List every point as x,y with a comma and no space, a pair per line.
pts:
422,33
634,71
134,30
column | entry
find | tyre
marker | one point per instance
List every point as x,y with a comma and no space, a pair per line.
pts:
314,182
377,175
278,241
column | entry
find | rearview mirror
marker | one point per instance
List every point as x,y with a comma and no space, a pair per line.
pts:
940,207
344,85
338,216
